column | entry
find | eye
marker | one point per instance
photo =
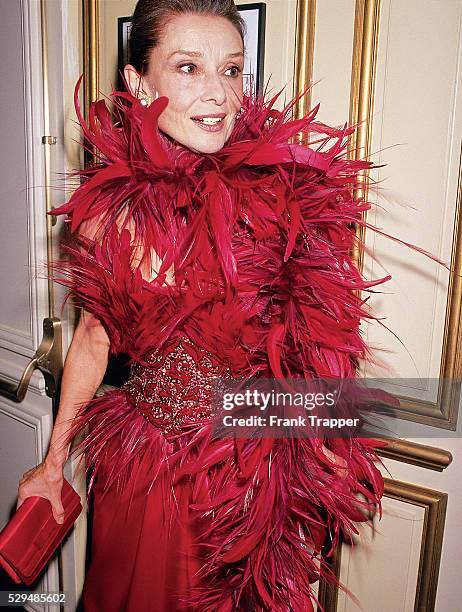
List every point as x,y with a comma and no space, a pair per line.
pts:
236,69
186,66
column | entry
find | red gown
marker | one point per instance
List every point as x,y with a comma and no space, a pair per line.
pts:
260,235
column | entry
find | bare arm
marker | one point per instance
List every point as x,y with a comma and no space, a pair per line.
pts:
84,369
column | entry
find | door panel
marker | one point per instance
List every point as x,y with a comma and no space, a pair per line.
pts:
27,298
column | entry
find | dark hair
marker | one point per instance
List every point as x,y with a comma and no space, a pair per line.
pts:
151,16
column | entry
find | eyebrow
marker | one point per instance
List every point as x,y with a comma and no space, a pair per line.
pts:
199,54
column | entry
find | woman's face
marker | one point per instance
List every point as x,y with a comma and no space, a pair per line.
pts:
198,65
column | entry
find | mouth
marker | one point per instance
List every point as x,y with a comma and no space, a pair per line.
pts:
210,123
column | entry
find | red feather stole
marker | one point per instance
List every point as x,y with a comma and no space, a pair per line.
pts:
259,235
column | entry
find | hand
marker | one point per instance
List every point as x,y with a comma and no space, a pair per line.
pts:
46,481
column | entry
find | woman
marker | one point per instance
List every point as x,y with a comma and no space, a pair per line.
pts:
205,245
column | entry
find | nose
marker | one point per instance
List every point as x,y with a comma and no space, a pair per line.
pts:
214,90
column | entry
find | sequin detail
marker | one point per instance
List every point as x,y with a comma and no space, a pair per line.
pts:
175,389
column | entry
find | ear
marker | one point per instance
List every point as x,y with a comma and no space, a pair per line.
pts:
135,82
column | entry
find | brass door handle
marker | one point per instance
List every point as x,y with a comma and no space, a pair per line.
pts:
47,359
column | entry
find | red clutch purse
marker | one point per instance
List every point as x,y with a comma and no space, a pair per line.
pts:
32,535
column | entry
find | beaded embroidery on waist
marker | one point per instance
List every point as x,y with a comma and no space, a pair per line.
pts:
175,389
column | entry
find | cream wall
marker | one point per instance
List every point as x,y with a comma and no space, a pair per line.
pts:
72,68
109,12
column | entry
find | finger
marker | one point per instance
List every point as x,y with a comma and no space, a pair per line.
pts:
59,517
58,509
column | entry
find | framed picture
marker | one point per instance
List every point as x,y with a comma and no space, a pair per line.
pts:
124,25
254,15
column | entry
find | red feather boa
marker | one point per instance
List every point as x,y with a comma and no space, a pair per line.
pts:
260,235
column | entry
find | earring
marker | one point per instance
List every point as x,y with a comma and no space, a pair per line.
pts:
144,98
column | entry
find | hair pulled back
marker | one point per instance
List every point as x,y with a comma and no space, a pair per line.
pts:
151,17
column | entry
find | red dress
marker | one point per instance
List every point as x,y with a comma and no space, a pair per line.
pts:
259,235
147,525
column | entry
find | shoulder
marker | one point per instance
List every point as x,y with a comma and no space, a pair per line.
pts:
98,227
